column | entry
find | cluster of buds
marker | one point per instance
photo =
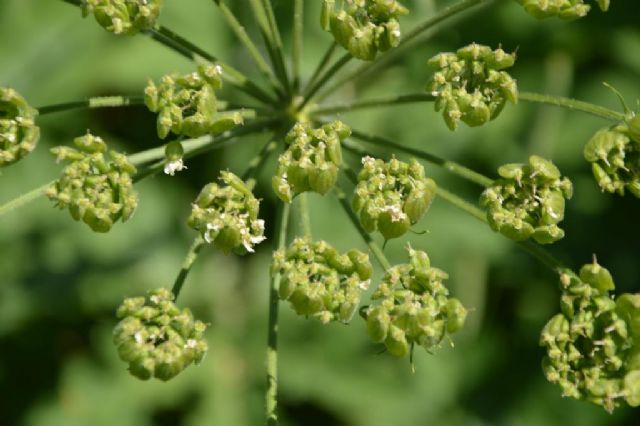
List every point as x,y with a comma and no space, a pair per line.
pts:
364,27
614,155
469,85
156,338
227,215
18,132
412,306
187,104
593,346
311,160
564,9
318,281
123,16
528,201
95,187
392,196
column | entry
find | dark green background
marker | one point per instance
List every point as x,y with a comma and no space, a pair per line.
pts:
60,283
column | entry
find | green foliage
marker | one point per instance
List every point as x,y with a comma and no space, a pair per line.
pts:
123,16
18,132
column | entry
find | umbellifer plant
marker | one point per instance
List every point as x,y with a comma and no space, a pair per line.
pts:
592,346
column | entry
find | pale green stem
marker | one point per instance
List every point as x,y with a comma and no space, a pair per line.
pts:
271,394
24,198
279,51
428,24
572,104
298,37
242,35
255,165
305,218
372,103
188,262
451,166
96,102
323,63
313,89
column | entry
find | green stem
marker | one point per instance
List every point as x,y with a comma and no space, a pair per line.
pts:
451,166
372,103
271,394
188,262
572,104
298,33
242,35
323,63
256,164
373,246
439,17
305,219
24,198
313,89
96,102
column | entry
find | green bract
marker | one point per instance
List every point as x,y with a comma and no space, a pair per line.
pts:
392,196
565,9
18,132
187,104
95,186
469,85
593,346
156,338
528,201
311,160
615,160
364,27
123,16
412,307
319,281
227,215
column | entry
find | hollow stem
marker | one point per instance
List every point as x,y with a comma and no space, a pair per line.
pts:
313,89
271,393
91,103
572,104
188,262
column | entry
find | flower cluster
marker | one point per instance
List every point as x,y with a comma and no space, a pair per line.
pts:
392,196
412,306
615,160
187,104
18,132
156,338
95,186
593,346
311,160
319,281
469,85
528,201
227,215
564,9
123,16
364,27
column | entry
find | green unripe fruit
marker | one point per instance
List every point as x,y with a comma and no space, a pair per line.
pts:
18,131
123,16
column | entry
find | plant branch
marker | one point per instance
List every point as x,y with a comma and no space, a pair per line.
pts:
91,103
323,63
313,89
572,104
305,219
372,103
271,394
188,262
298,38
23,199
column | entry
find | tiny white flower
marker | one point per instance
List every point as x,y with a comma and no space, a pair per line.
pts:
174,166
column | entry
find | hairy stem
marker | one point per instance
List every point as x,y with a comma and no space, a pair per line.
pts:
271,394
188,262
572,104
96,102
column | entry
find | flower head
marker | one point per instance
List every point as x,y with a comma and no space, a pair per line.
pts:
564,9
18,132
123,16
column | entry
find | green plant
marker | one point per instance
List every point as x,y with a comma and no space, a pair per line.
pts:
411,304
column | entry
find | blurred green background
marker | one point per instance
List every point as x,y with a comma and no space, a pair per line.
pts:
60,283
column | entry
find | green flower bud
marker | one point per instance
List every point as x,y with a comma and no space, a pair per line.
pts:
123,16
318,281
311,160
411,306
18,132
469,85
592,351
187,104
227,215
528,201
364,27
564,9
392,196
173,154
615,160
156,338
95,187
